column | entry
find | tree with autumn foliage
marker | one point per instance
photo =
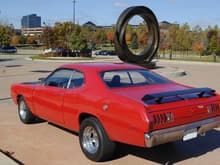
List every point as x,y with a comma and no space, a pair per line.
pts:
31,40
48,37
198,39
78,40
110,37
198,47
134,41
88,35
142,33
100,37
6,34
172,35
15,40
62,34
212,37
184,38
164,43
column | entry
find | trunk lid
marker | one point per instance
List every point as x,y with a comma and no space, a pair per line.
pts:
174,112
137,93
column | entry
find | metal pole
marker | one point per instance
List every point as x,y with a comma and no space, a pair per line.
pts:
74,9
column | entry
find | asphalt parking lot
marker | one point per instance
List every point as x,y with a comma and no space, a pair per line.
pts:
45,143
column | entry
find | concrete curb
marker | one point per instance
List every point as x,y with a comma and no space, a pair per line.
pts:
6,160
188,62
172,72
74,61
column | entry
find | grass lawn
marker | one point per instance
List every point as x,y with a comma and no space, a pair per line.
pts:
42,57
196,58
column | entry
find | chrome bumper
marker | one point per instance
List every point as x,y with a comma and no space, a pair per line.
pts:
177,133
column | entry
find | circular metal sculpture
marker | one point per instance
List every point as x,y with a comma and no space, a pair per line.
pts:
121,46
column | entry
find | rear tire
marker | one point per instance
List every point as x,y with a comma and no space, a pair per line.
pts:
94,141
24,112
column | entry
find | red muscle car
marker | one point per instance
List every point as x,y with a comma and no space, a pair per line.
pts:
117,102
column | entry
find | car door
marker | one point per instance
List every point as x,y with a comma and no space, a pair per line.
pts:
73,102
48,98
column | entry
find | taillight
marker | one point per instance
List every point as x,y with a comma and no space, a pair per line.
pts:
163,118
213,108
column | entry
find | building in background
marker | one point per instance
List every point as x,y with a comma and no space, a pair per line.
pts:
32,31
31,21
31,25
164,26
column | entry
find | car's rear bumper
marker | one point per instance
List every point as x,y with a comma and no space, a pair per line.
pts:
177,133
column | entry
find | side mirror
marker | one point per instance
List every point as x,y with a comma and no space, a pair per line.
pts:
41,79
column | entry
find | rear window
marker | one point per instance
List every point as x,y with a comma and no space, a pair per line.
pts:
129,78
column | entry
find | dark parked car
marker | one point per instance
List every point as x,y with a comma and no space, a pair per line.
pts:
111,52
85,53
105,52
61,52
8,49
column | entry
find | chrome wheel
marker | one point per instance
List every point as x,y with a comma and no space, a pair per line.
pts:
90,140
94,142
23,110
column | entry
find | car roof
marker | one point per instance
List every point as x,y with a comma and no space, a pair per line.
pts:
100,66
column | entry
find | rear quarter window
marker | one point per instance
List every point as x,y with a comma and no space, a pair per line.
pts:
129,78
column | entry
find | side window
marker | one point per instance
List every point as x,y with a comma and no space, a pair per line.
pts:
127,78
116,78
77,79
138,78
59,78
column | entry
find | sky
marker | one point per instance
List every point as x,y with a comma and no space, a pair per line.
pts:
106,12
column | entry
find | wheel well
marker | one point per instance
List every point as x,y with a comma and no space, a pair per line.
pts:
83,116
18,97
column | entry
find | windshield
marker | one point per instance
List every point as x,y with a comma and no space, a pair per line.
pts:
129,78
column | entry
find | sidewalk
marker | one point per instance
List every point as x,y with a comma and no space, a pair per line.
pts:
62,147
5,160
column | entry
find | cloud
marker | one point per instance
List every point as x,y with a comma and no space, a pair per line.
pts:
120,4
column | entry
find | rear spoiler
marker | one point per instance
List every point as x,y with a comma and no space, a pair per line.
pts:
165,97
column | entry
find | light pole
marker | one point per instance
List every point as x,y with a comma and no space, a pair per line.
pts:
74,7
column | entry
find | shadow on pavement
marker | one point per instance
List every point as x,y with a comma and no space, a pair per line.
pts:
13,66
171,153
64,129
41,71
10,155
158,67
38,121
6,59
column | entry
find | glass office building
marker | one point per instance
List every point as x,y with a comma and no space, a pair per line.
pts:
31,21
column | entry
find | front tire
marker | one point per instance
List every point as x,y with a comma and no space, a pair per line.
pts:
94,142
24,112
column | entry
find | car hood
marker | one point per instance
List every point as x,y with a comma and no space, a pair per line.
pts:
137,93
